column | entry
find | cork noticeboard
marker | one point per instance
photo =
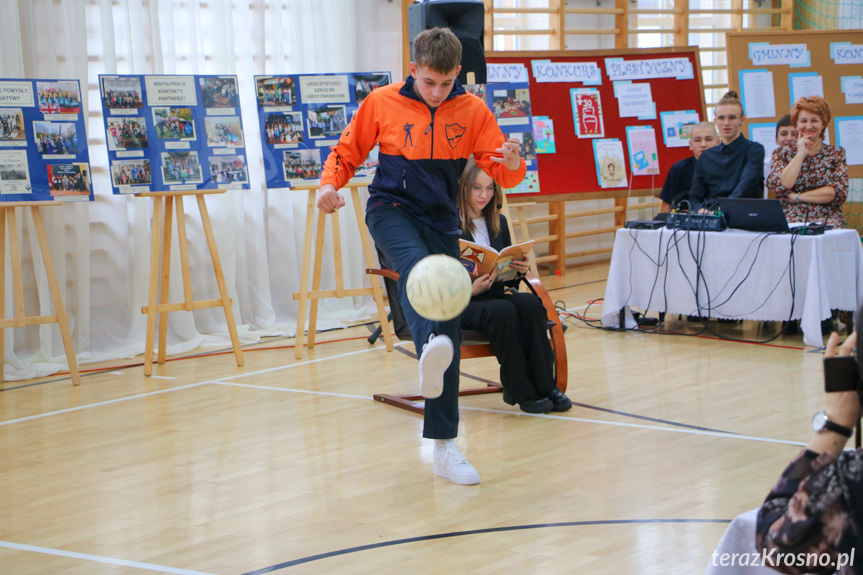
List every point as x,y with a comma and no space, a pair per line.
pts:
798,61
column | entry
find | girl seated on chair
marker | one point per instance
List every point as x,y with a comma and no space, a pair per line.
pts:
516,323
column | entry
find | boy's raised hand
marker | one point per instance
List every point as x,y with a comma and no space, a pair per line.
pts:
508,155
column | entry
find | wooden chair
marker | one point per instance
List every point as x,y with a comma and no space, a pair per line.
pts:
474,343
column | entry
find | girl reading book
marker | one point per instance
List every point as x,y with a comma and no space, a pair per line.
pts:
515,322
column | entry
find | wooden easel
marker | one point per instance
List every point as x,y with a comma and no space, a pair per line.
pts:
163,206
9,220
316,293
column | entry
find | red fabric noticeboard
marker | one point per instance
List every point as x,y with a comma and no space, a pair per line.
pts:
571,170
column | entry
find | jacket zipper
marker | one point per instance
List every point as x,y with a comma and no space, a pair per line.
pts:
431,127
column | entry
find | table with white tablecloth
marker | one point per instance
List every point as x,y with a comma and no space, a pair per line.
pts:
736,275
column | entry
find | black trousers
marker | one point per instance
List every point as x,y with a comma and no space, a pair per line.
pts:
405,241
517,330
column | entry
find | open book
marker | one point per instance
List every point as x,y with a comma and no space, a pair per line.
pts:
480,260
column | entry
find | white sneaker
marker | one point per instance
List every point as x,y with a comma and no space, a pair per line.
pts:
434,361
450,463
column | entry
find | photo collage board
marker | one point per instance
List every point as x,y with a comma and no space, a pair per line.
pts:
173,133
510,103
43,142
301,116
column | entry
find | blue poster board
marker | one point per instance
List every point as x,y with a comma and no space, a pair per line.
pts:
301,116
173,133
510,103
43,142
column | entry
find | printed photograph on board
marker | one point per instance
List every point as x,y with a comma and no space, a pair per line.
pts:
511,103
69,179
127,133
181,168
122,92
366,83
527,145
131,172
326,121
56,137
284,128
276,91
229,169
224,131
12,125
174,123
302,164
59,97
219,93
477,90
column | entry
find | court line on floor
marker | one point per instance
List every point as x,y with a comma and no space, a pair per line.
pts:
588,406
200,383
301,363
292,390
349,550
100,403
729,435
223,381
100,559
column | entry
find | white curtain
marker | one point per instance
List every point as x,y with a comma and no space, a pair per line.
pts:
101,250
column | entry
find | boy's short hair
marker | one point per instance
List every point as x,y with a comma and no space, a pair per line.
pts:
783,122
437,49
704,124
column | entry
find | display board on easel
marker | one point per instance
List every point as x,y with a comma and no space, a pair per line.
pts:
770,70
612,112
302,115
43,142
169,137
173,133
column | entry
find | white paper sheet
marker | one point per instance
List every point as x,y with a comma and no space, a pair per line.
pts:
805,86
849,135
757,93
634,100
854,91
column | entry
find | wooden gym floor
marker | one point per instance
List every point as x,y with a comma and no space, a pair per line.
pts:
290,467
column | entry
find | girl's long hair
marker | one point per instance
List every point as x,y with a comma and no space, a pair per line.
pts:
491,211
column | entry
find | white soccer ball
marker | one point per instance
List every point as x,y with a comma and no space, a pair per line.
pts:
438,287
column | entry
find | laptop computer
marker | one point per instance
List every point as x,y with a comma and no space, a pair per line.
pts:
754,215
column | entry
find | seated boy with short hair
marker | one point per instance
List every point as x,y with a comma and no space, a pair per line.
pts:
679,180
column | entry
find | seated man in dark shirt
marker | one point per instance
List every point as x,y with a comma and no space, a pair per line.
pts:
734,168
679,180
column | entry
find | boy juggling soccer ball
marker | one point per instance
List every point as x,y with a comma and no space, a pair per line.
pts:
426,127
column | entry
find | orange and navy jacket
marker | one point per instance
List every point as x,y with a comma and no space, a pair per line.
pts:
422,151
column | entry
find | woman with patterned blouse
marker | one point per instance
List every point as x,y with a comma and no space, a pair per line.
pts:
812,520
810,178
